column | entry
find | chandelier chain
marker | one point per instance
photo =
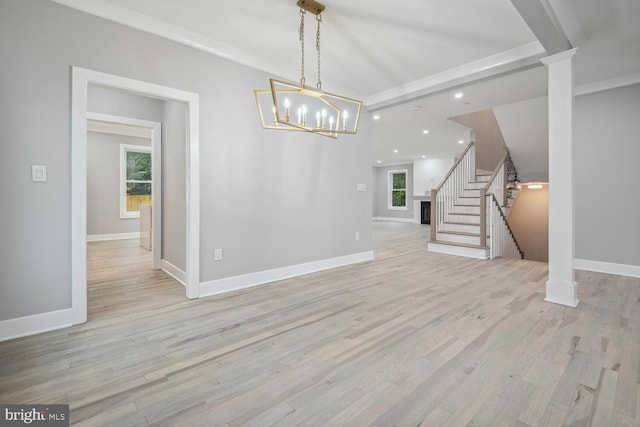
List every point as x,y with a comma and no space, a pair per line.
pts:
301,36
319,20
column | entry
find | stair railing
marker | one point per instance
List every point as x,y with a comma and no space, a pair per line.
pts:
503,242
445,195
494,196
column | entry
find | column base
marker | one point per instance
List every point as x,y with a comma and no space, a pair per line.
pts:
562,293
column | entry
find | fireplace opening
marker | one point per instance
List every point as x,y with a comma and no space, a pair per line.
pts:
425,212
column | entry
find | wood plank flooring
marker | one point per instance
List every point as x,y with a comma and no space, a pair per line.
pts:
412,338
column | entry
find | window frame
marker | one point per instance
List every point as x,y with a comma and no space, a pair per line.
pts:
390,189
124,149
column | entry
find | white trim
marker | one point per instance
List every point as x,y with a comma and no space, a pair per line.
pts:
383,218
81,78
507,61
117,128
124,149
627,80
35,324
559,57
562,293
174,272
386,165
244,281
390,189
114,236
477,253
607,267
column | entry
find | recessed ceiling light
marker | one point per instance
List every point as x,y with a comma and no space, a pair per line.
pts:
460,141
416,107
379,161
395,151
424,156
426,131
376,117
458,95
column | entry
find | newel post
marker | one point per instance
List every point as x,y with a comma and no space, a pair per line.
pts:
434,216
483,218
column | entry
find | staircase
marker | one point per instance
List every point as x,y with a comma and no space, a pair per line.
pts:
468,212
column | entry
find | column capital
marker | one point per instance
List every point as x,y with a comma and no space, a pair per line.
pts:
559,57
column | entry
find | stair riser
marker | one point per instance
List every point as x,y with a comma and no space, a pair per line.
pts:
475,201
463,218
483,178
465,209
458,250
475,185
457,238
471,192
465,228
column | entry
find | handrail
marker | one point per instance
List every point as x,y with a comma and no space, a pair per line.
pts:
495,173
455,165
513,236
449,190
483,207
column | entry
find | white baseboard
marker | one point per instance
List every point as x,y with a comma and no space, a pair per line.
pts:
174,272
382,218
38,323
235,283
607,267
115,236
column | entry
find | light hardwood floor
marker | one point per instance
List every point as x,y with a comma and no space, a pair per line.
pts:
411,338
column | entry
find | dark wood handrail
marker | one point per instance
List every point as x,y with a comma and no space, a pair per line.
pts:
455,165
493,196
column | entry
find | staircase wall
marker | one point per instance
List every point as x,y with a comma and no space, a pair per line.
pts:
529,221
489,142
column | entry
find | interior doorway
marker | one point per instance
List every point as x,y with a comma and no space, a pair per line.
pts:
124,128
81,79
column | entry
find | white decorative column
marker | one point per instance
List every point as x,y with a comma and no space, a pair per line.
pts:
561,286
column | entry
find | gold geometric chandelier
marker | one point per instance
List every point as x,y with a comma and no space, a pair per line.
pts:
297,107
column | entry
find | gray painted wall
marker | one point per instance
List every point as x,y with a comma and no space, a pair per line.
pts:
174,184
269,199
117,102
103,182
381,176
606,152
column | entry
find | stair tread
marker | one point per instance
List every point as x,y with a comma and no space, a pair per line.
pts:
465,245
461,223
463,213
458,204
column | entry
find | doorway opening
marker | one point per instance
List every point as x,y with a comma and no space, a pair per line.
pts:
81,79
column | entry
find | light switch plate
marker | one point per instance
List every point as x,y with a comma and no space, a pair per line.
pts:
361,187
38,173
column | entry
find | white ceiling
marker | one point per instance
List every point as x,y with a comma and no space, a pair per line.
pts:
399,54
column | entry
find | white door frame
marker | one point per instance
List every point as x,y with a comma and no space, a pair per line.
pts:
156,175
81,78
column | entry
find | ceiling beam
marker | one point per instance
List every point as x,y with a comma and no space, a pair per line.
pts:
541,19
506,62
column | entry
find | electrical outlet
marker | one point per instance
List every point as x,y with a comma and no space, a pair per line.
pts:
217,255
357,235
